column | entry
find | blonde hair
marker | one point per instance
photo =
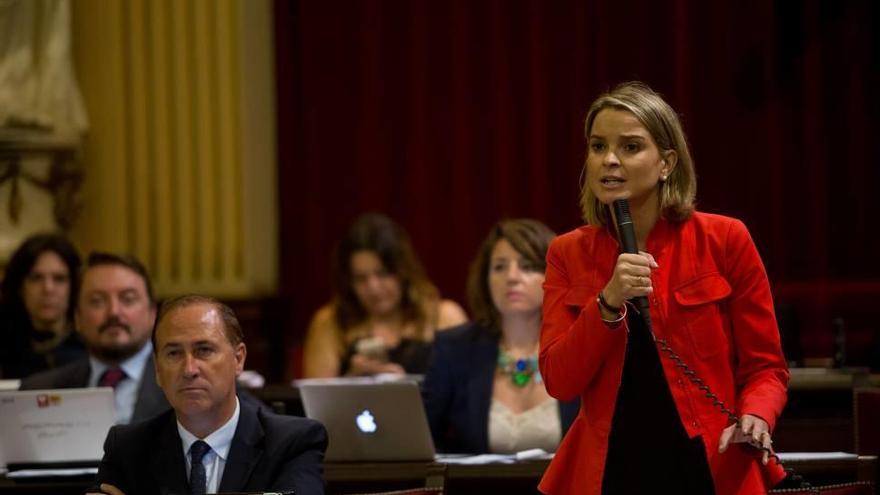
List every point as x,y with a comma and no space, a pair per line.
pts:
678,191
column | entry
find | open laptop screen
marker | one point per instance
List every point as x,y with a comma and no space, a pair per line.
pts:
370,421
43,428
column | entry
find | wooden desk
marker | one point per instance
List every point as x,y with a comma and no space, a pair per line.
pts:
864,468
523,477
806,379
819,413
281,397
47,486
510,479
519,478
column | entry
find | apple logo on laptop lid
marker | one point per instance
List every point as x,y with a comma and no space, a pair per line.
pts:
366,422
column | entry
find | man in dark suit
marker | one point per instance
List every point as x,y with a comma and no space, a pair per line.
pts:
211,441
114,318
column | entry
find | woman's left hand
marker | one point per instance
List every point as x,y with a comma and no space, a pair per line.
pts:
754,430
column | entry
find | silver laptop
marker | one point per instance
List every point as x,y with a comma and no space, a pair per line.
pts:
370,421
54,428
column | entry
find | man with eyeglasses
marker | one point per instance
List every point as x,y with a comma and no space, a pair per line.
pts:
114,318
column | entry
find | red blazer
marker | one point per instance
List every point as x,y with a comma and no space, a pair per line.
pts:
712,304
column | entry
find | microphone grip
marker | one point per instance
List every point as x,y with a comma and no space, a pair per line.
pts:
626,235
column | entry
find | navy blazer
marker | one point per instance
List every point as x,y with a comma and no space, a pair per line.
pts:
268,452
458,390
150,398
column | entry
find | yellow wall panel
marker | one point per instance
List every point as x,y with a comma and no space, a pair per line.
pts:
164,161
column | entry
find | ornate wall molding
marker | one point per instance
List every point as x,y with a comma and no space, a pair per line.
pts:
64,177
180,156
40,180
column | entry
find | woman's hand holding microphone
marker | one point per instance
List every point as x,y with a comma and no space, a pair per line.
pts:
631,278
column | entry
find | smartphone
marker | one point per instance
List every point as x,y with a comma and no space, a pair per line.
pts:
373,348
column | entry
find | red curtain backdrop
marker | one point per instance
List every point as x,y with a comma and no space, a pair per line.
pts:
449,115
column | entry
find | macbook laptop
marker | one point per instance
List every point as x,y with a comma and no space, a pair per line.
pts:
370,421
54,428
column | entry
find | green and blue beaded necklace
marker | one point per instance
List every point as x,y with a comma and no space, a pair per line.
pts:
521,370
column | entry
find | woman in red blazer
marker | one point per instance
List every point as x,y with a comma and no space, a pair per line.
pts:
643,426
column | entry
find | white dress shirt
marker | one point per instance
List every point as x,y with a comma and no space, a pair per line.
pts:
215,460
126,392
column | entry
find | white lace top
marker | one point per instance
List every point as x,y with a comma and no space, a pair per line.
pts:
536,428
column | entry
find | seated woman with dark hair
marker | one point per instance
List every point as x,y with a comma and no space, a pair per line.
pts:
384,311
38,300
483,390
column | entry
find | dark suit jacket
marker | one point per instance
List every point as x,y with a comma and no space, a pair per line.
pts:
458,390
150,398
268,452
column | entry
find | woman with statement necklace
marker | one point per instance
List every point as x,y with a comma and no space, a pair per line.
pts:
483,390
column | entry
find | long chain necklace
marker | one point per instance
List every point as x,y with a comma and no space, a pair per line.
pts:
521,370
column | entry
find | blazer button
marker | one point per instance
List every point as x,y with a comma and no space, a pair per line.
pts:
680,382
694,423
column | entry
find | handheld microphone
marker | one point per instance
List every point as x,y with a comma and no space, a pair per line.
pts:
626,235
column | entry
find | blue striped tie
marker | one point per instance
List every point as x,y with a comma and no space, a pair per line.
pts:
198,481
